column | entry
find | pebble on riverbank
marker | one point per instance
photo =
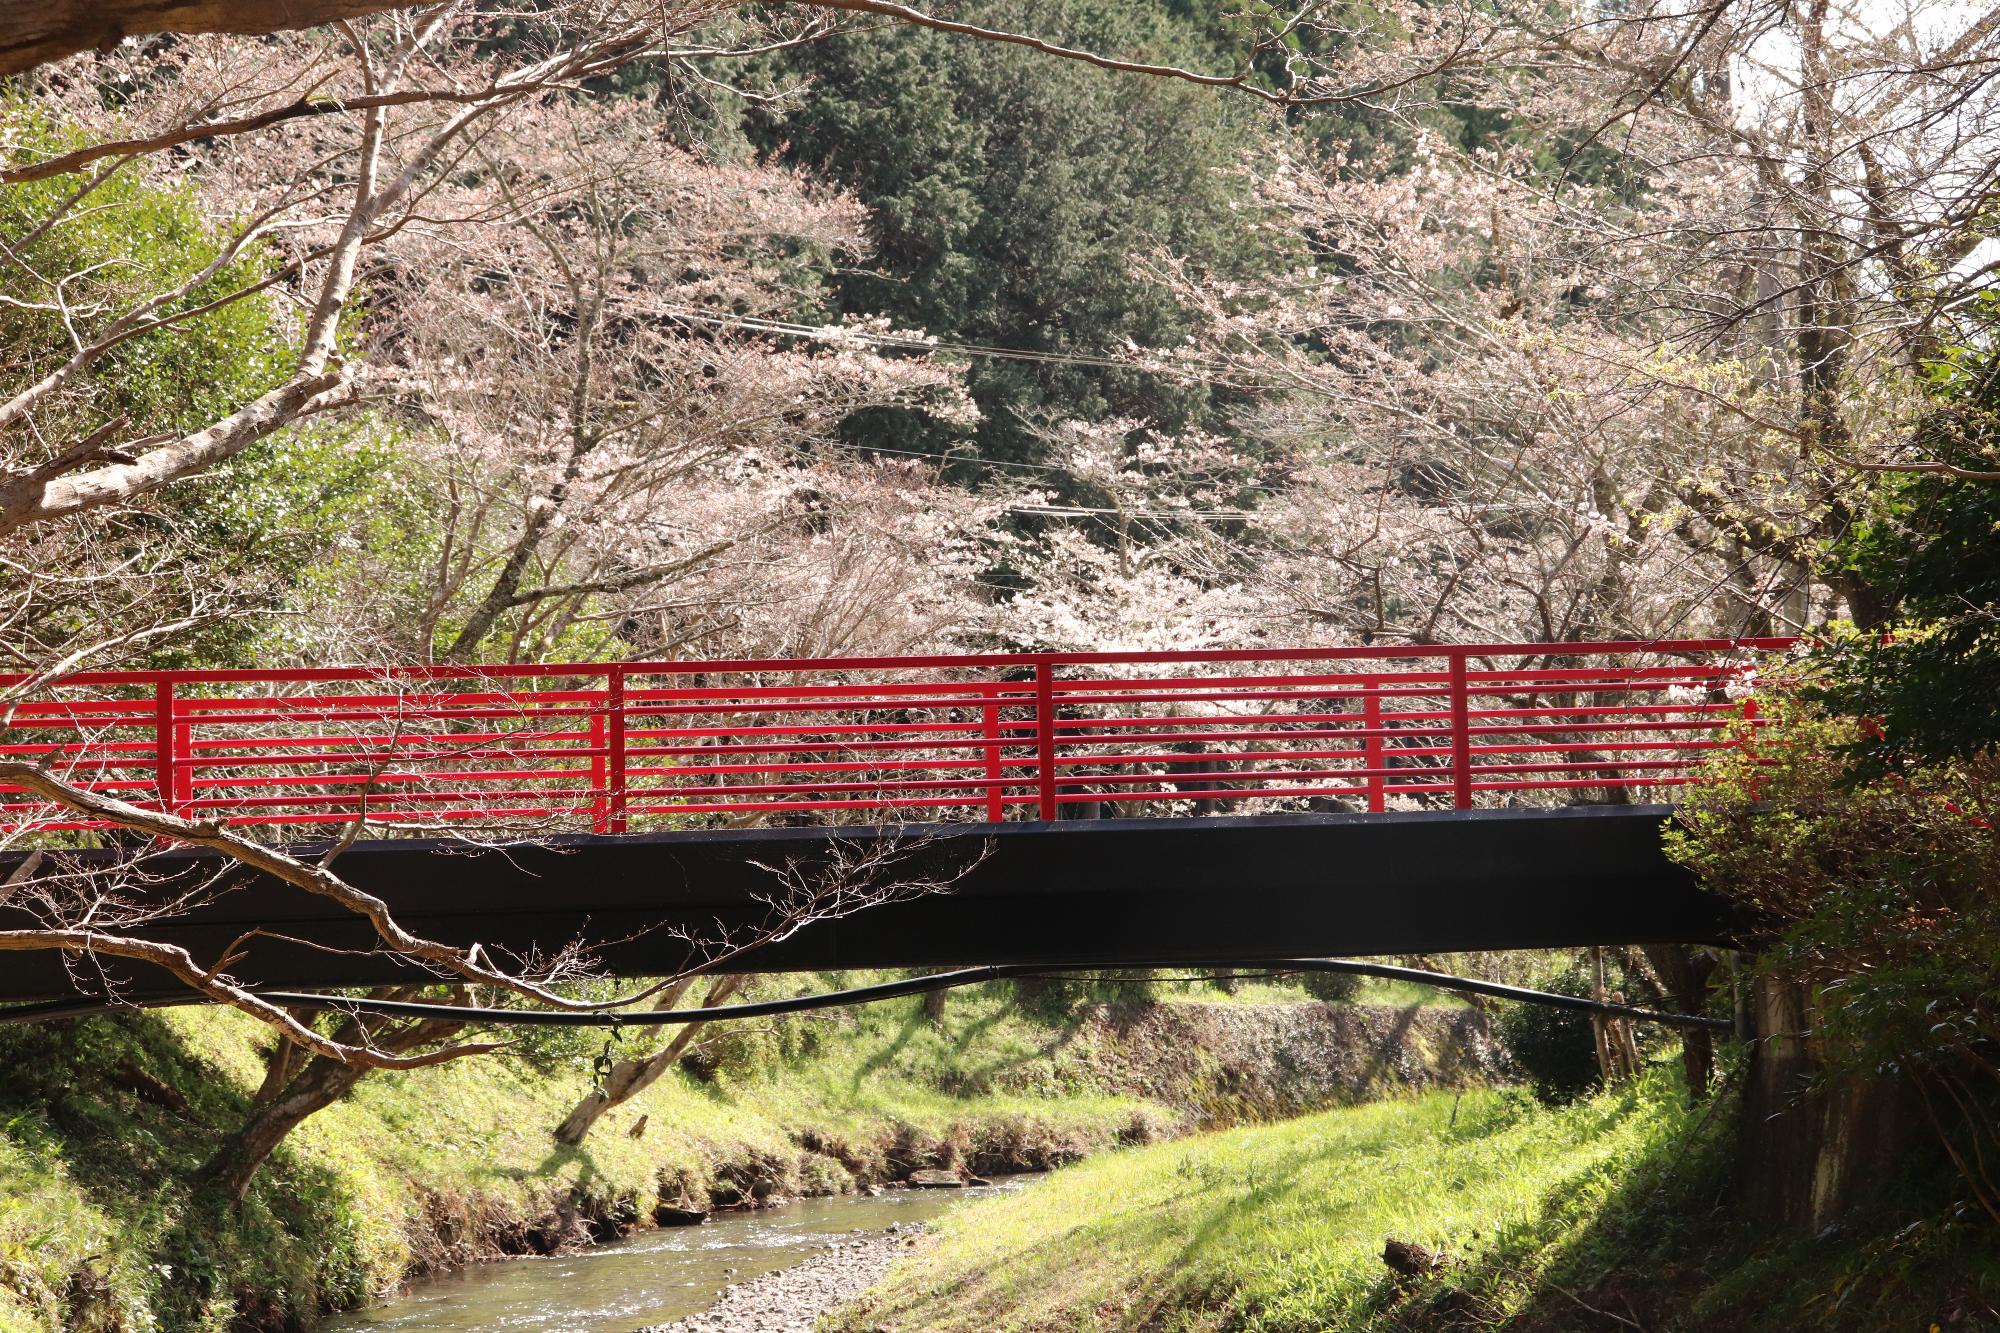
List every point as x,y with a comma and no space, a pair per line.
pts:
791,1300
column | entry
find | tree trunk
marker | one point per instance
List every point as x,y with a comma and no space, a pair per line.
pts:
281,1064
322,1083
279,1067
1600,1026
1812,1150
31,35
1684,975
318,1085
629,1078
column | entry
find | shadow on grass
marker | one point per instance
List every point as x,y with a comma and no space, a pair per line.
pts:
913,1023
1585,1263
1276,1190
1670,1247
133,1115
1063,1031
1381,1068
966,1079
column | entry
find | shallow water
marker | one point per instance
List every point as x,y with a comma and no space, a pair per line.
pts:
650,1277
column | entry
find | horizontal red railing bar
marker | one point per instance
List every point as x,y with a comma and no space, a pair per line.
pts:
710,770
226,763
1072,732
540,700
477,713
385,778
1071,727
1250,794
392,799
994,735
820,729
416,732
259,711
1369,652
1415,682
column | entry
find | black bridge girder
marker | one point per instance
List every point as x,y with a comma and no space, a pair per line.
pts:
1086,891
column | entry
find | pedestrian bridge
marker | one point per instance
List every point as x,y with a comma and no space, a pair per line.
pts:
1031,807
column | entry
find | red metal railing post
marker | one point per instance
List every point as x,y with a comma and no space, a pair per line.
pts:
166,747
614,747
1371,744
183,759
1750,745
1461,734
600,768
1045,737
996,804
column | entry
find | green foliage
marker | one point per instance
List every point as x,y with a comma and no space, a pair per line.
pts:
1279,1228
1931,546
104,1122
130,239
116,1120
245,533
1059,996
1880,894
1331,987
741,1051
1009,194
284,519
566,1051
1554,1047
1618,1201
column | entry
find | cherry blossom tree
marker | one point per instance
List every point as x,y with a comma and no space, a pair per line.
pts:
1623,370
578,373
544,279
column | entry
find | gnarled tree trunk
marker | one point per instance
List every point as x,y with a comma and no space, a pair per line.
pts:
321,1082
629,1078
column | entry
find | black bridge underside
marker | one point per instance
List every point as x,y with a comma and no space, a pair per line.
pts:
1082,892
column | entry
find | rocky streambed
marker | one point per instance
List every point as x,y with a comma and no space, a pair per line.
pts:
791,1300
753,1270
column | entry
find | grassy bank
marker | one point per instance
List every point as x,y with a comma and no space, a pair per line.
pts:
103,1123
1611,1213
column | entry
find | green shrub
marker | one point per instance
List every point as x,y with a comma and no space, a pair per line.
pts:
1554,1047
1061,995
1331,987
1875,894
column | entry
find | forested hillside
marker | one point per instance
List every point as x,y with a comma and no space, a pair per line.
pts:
428,340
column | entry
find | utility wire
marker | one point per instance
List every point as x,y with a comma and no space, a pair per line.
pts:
980,461
844,334
970,976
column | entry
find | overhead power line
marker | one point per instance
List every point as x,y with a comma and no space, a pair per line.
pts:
849,334
970,976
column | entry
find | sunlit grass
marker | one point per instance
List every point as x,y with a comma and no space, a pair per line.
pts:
1251,990
94,1177
1280,1227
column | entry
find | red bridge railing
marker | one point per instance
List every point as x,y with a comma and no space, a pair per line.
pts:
658,745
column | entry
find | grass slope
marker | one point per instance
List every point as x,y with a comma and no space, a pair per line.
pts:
1611,1213
102,1124
1274,1227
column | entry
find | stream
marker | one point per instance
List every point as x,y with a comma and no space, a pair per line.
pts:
650,1277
